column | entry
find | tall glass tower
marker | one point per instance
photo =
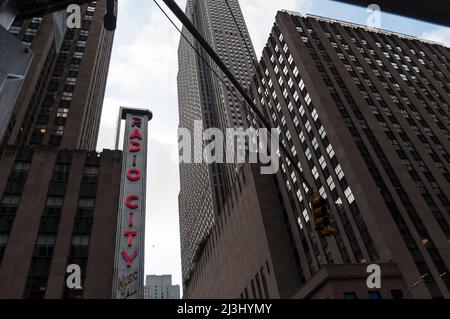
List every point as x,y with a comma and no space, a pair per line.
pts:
205,95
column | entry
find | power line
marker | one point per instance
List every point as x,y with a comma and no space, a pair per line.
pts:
173,6
193,47
199,54
242,35
256,68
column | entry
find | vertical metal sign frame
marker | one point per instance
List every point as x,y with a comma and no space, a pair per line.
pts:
128,281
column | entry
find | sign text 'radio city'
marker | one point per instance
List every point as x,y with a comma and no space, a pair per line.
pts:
132,201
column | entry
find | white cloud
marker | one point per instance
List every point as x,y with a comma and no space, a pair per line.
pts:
440,34
145,68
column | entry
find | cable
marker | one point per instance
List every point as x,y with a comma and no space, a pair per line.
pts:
194,48
199,38
256,68
200,55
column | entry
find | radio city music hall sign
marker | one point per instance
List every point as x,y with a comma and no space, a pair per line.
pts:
129,259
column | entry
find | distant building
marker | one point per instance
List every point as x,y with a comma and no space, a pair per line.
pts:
160,287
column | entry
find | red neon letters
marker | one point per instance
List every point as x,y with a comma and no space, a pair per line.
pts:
129,201
134,174
136,134
130,220
137,122
135,147
130,234
129,259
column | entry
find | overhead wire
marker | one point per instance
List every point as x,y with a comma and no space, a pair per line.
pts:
227,2
243,92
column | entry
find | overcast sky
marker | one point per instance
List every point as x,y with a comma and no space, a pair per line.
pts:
143,73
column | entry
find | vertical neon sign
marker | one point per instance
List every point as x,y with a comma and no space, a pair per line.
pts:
129,260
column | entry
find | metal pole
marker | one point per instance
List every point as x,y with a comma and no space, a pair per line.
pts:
179,13
118,127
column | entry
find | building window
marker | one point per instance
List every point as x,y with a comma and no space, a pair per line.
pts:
315,173
16,182
322,162
348,193
374,295
339,172
63,112
3,242
299,221
55,140
253,289
40,265
81,233
9,203
305,215
350,295
330,151
308,154
396,294
307,99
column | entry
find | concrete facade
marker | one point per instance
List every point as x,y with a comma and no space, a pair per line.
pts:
53,218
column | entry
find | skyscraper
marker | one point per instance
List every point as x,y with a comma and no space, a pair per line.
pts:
366,113
59,198
61,98
205,97
57,208
160,287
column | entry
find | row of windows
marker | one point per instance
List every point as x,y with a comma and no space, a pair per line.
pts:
84,218
391,136
414,153
49,222
70,57
278,118
10,199
380,183
46,240
258,288
26,31
329,180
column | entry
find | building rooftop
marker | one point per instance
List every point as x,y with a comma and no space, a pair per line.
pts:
362,26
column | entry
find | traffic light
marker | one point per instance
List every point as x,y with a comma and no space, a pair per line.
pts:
322,216
110,20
